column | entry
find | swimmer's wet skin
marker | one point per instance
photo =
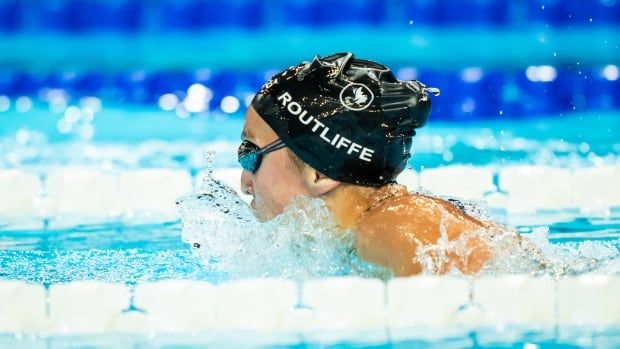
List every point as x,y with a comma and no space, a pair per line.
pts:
347,126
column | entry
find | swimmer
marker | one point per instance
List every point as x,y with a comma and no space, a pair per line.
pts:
340,129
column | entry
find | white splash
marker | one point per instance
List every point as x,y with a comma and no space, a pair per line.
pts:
301,243
304,242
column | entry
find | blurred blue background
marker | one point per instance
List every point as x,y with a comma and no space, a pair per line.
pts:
196,59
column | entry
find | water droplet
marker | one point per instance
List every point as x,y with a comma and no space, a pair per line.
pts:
501,112
410,22
209,157
542,7
433,90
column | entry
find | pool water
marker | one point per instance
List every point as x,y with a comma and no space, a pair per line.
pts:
54,246
149,252
195,144
121,219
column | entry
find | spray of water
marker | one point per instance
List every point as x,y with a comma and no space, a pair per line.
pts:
514,253
304,242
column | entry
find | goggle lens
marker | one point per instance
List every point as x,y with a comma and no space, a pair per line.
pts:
250,155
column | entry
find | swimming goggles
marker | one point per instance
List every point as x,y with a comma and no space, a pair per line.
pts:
250,155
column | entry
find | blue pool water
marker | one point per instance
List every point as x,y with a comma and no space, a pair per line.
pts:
530,88
136,252
132,252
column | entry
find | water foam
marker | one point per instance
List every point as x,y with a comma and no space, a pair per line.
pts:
301,243
304,242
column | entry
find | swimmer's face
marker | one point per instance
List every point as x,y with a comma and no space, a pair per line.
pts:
277,179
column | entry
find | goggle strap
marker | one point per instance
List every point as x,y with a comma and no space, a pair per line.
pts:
277,144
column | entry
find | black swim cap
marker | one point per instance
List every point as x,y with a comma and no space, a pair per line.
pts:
348,118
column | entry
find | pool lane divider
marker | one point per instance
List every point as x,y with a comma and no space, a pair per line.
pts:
67,196
327,310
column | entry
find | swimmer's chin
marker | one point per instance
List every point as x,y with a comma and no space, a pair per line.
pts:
260,212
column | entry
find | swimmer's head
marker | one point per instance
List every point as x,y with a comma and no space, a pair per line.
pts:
348,118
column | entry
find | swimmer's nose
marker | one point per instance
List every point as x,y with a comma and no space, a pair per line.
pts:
247,186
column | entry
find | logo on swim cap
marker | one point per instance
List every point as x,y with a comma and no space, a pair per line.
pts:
356,96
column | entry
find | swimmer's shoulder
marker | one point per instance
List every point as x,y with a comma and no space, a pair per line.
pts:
415,211
391,233
405,212
412,204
